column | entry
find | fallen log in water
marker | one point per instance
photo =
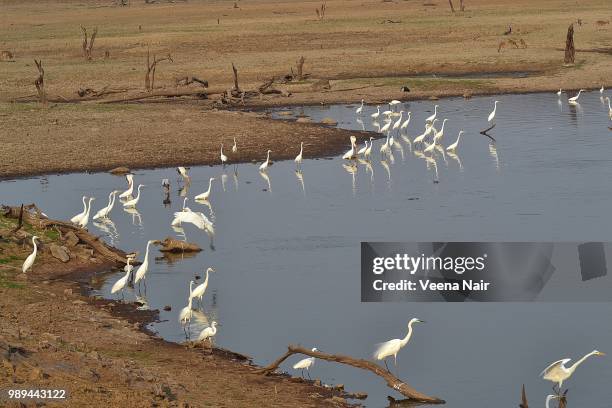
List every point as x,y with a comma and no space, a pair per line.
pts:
177,246
393,382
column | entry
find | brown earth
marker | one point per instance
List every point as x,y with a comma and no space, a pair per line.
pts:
54,336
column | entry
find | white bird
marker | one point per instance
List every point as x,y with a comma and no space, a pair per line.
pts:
298,158
453,147
432,117
601,90
362,151
560,92
428,128
557,372
208,333
205,195
199,291
430,147
305,363
386,127
398,122
122,282
387,114
132,203
183,172
77,218
575,98
384,148
234,147
394,102
27,264
103,213
130,181
186,312
406,122
223,157
360,109
368,149
492,114
351,153
440,134
609,108
264,165
196,218
144,267
85,219
550,398
392,347
377,113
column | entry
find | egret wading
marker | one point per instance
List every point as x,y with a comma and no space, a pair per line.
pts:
359,109
574,99
392,347
493,112
132,203
557,372
27,264
298,158
351,154
200,290
144,267
431,118
77,218
182,171
104,212
208,333
376,114
453,147
85,219
264,165
205,195
130,181
305,364
122,282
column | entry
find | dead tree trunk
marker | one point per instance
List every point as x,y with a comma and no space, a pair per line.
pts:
570,52
151,67
524,403
393,382
461,5
450,2
300,68
236,89
88,44
40,83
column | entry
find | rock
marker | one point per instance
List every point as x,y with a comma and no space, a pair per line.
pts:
339,387
360,395
71,239
338,400
59,252
317,382
167,308
177,246
118,171
304,120
329,121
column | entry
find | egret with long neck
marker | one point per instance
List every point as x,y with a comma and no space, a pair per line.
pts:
85,220
298,158
557,372
392,347
206,195
264,165
144,267
31,258
132,203
199,291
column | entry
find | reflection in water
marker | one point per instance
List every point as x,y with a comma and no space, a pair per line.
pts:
235,176
108,227
494,155
223,180
456,158
388,169
136,217
184,190
264,175
300,177
351,168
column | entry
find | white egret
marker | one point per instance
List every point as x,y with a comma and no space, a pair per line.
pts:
377,113
130,180
305,364
234,147
430,147
398,122
368,150
428,128
351,153
103,213
453,147
550,398
27,264
601,90
186,312
609,107
406,122
393,103
439,134
196,218
205,195
574,99
387,114
122,282
298,158
492,114
208,333
223,157
557,372
384,148
144,267
132,203
199,291
362,151
183,172
560,92
85,219
264,165
392,347
77,218
432,117
386,127
359,109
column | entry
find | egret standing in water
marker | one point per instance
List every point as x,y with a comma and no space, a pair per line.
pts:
431,118
453,147
376,114
305,364
559,92
223,157
406,122
609,107
122,283
298,158
392,347
492,114
362,151
368,150
85,219
351,153
132,203
77,218
208,333
205,195
264,165
104,212
574,99
359,109
557,372
31,258
601,90
186,312
130,180
144,267
199,291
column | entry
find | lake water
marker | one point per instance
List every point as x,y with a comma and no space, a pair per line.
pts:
286,249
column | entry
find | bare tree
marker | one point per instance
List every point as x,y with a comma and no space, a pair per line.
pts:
40,83
461,5
151,67
88,44
321,12
300,68
570,51
450,2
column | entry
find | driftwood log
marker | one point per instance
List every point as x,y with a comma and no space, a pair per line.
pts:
392,381
178,246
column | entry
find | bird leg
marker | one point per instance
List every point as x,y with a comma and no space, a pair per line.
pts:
302,373
387,366
308,372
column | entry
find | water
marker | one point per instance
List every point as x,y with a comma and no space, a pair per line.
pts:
287,257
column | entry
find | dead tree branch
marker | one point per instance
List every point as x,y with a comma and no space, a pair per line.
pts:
88,44
40,83
524,403
151,67
450,2
393,382
188,80
300,68
570,51
236,89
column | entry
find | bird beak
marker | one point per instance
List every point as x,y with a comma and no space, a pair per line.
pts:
422,321
601,354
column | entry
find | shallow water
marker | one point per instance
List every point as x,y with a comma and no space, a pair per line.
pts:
287,254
